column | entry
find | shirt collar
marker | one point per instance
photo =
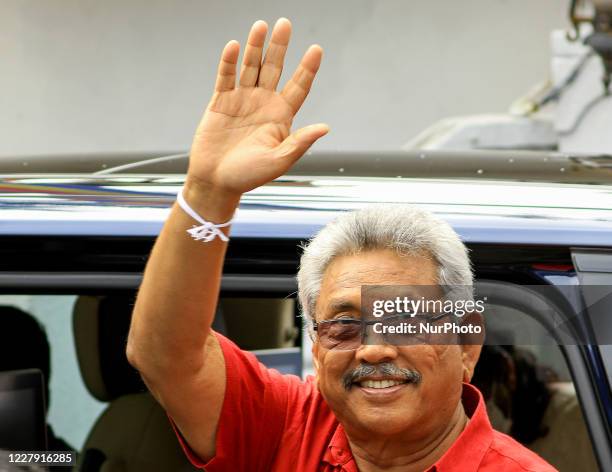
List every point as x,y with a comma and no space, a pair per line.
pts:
338,451
468,449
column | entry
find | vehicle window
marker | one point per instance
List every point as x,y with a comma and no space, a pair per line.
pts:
529,391
267,326
259,323
71,408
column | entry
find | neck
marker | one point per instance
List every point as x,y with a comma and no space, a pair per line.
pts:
403,453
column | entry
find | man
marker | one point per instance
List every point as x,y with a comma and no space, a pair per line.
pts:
371,406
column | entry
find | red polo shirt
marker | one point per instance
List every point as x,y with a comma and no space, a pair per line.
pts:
274,422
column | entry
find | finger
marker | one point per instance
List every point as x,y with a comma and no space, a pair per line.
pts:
296,90
226,74
251,62
296,144
272,66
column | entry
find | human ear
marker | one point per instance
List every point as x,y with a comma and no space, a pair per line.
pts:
469,357
315,355
471,345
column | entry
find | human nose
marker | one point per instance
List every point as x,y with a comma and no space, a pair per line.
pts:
376,353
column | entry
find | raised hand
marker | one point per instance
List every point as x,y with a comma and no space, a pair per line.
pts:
244,139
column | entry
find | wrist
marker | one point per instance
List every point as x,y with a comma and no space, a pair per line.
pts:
211,202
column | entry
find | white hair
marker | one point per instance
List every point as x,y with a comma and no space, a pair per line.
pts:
403,228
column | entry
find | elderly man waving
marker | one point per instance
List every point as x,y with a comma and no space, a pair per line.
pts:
371,406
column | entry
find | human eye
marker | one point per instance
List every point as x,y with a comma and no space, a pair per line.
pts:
343,328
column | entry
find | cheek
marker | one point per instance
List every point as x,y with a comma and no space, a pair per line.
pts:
332,366
440,362
448,372
442,373
425,359
450,358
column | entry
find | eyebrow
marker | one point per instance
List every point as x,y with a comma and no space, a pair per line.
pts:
341,304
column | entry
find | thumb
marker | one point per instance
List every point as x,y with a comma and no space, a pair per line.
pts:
297,143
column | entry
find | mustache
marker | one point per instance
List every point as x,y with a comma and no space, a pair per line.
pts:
382,369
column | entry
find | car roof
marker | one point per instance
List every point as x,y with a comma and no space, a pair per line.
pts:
480,210
507,165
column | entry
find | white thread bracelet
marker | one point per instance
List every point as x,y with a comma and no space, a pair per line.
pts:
207,231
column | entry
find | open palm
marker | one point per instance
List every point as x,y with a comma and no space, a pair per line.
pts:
244,139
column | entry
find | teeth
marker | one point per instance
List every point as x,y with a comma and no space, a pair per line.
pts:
379,383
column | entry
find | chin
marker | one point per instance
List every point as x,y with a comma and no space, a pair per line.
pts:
383,424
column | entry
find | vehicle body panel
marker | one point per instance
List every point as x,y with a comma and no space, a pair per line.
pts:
480,211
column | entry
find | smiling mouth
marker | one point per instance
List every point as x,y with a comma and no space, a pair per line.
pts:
380,384
380,378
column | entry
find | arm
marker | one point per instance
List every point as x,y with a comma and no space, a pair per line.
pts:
243,141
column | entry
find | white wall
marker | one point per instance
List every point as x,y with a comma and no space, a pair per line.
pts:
134,75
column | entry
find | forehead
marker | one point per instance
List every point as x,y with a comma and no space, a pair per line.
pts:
345,275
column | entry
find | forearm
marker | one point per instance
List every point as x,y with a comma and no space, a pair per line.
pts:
178,296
